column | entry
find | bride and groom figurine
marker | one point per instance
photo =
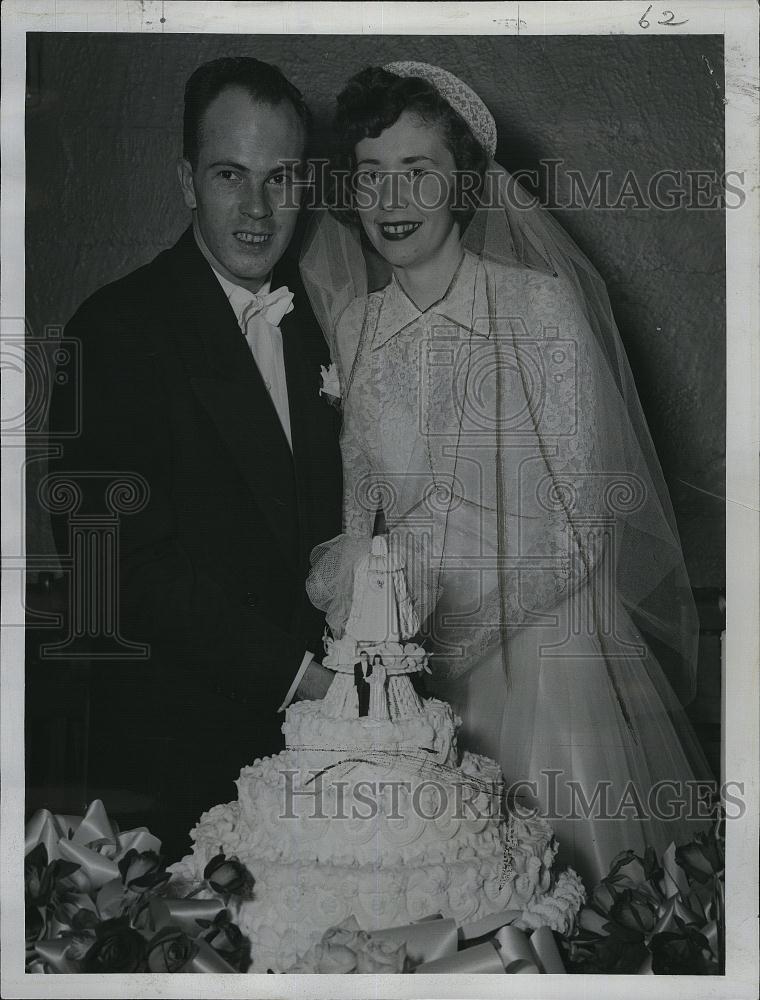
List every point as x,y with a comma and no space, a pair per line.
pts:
371,680
484,389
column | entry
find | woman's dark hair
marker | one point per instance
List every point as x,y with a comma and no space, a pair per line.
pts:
375,99
263,82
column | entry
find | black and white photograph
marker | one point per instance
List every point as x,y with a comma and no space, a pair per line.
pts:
380,499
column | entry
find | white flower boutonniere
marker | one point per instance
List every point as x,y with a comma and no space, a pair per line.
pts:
330,388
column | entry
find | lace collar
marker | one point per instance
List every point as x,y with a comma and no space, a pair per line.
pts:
465,303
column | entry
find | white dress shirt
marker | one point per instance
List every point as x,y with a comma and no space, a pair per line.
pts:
265,342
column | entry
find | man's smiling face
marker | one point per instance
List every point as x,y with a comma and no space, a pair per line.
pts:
243,188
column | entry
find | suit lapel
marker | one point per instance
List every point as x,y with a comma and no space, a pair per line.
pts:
227,382
314,424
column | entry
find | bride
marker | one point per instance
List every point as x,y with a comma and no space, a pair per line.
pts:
489,408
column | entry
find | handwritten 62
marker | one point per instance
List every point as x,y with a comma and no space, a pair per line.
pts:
668,15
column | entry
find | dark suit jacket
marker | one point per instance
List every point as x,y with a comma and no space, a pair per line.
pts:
212,570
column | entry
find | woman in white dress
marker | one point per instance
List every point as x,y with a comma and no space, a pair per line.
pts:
378,693
488,407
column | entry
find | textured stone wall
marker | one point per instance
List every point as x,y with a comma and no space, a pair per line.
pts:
104,130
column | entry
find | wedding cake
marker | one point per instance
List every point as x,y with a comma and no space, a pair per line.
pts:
370,811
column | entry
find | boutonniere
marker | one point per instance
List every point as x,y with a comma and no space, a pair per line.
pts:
330,387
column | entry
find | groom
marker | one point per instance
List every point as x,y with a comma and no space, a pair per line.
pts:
201,373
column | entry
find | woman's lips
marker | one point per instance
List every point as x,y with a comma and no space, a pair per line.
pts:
397,230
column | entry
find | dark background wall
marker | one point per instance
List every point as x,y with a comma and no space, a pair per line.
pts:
104,131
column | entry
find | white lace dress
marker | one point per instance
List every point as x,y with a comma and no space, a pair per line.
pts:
439,427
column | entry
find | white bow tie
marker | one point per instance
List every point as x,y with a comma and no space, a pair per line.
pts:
272,306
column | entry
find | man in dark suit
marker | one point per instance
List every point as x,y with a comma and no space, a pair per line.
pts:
201,373
362,673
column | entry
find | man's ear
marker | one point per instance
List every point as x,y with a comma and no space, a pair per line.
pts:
185,175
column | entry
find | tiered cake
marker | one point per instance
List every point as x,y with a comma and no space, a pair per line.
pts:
370,811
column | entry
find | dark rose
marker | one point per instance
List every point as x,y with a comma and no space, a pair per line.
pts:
117,948
35,864
41,879
604,898
701,860
652,866
682,953
142,869
620,861
84,920
79,945
627,872
170,950
229,941
633,913
223,933
617,954
229,877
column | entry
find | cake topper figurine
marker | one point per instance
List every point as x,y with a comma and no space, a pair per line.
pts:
381,608
362,680
374,657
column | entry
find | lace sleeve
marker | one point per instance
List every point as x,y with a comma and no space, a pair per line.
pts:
550,461
580,463
357,519
559,491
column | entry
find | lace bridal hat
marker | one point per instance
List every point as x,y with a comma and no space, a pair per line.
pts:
458,95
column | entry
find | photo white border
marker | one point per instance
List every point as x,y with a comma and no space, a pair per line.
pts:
738,22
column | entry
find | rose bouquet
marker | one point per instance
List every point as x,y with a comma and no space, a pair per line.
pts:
656,915
99,901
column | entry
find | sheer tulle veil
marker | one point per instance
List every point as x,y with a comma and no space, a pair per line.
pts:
600,697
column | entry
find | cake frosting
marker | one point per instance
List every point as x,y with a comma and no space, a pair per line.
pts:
371,811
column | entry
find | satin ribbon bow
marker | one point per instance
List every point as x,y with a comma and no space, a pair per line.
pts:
90,841
435,945
270,307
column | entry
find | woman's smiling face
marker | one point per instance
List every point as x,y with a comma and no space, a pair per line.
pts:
403,190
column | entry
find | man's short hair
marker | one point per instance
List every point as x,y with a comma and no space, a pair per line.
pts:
262,81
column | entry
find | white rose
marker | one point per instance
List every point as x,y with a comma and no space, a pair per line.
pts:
330,382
